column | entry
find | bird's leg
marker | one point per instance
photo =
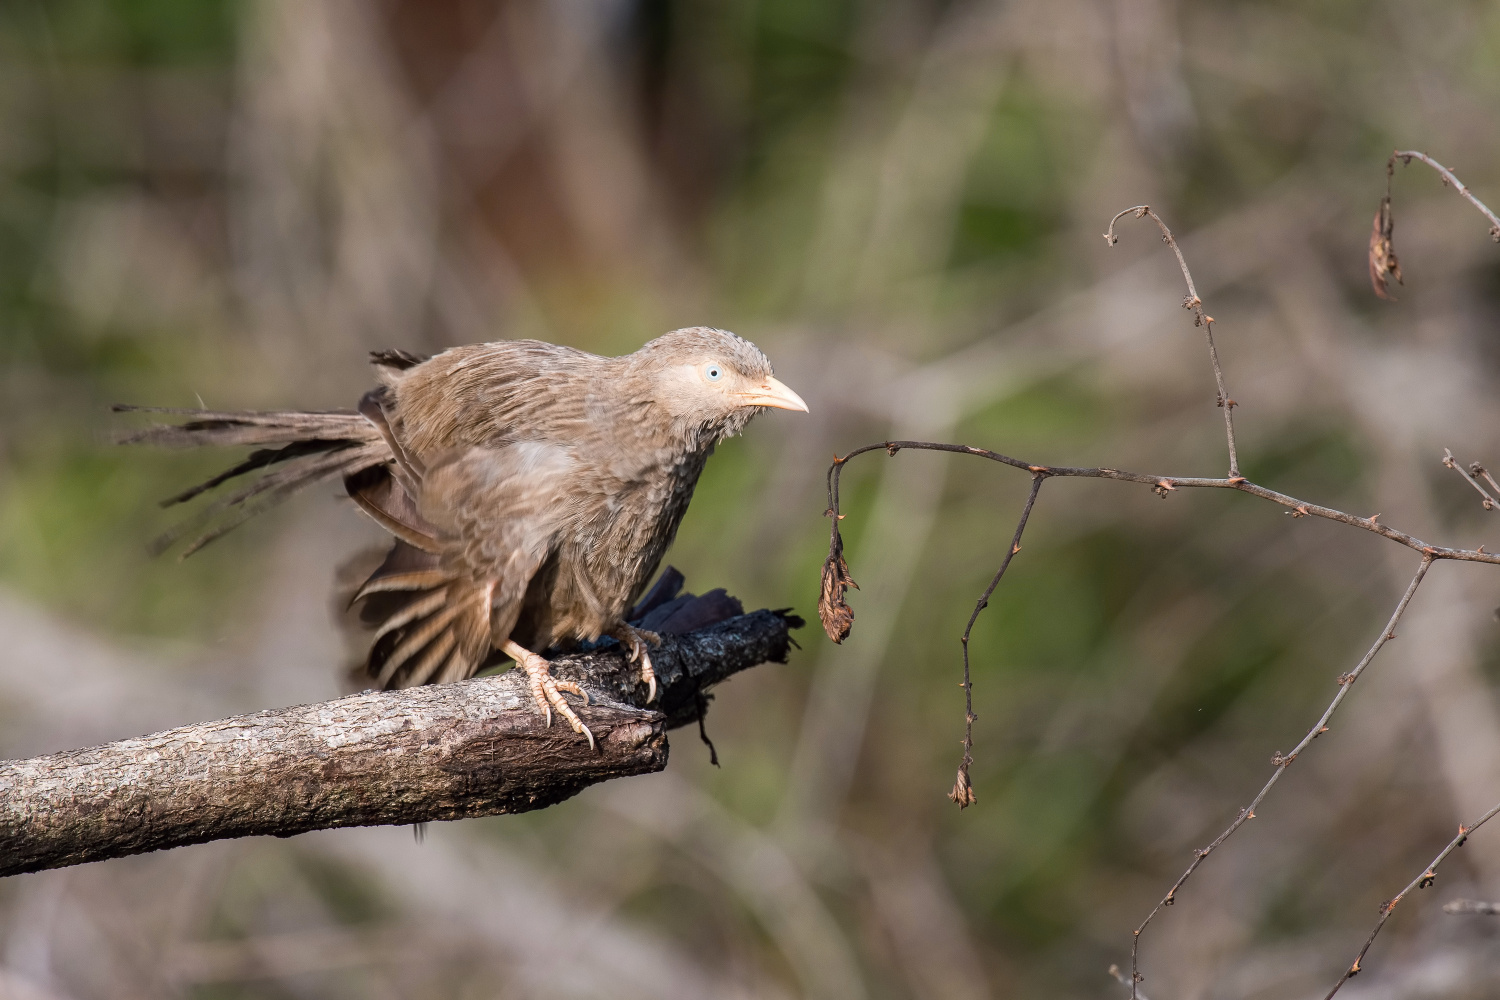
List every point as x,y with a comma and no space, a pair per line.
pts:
634,640
546,691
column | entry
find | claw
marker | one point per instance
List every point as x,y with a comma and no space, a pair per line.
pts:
635,641
546,691
572,688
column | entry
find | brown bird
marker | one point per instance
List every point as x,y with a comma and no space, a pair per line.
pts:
532,490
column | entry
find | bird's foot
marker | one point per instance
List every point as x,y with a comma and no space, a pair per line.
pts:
635,641
546,690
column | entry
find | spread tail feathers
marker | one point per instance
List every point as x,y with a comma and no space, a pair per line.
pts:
293,450
432,626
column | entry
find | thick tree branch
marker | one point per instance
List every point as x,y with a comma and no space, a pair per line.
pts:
474,748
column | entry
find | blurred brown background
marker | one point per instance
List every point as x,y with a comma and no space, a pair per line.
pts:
901,201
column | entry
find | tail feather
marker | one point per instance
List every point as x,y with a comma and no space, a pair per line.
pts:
431,632
257,460
272,489
438,653
306,420
430,624
196,434
416,580
418,608
438,633
459,666
400,567
308,448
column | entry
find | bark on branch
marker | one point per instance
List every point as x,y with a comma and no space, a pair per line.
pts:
440,752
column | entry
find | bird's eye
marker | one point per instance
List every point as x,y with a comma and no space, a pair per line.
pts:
713,373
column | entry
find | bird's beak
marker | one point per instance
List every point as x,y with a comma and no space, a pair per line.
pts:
772,392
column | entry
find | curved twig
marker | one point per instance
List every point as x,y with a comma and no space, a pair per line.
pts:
1167,484
963,792
838,617
1384,265
1407,155
1200,318
963,788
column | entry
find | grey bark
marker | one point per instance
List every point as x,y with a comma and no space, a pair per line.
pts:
475,748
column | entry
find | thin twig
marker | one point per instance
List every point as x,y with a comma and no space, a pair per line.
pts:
1407,155
1422,881
1282,761
838,616
1489,502
1168,484
1163,485
1120,977
1384,264
1200,318
963,788
1476,469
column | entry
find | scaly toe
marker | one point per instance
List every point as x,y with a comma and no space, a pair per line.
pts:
565,710
572,688
539,694
546,691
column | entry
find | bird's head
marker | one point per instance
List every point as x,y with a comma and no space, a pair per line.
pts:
711,377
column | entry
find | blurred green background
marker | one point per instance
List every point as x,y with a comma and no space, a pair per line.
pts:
228,203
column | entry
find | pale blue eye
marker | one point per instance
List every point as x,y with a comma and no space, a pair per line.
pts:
713,373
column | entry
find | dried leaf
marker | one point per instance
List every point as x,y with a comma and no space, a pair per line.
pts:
963,792
1383,262
836,615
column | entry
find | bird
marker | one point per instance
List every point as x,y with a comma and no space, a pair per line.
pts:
530,489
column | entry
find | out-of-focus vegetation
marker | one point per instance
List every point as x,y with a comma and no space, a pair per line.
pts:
229,202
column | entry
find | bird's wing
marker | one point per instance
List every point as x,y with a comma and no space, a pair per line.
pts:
495,513
484,394
497,509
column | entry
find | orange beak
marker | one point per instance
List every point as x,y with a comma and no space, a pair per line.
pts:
772,392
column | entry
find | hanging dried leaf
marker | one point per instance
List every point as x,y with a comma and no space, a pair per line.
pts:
963,792
1383,262
837,616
